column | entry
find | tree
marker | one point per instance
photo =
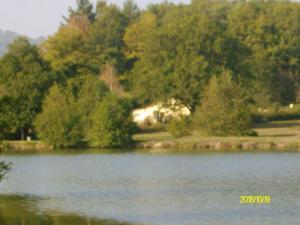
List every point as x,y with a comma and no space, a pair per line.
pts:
224,110
24,78
91,91
84,8
65,119
109,77
111,123
270,30
67,50
5,119
130,11
139,34
186,47
106,37
59,123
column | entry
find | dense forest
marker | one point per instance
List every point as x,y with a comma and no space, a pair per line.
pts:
220,59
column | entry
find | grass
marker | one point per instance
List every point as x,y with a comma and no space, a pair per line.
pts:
280,132
24,146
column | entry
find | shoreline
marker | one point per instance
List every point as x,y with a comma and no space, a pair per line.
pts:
281,136
168,146
216,146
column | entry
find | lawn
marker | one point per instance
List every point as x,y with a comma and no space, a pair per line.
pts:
276,132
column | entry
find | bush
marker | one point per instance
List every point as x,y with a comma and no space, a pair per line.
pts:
4,169
224,110
276,114
179,127
111,124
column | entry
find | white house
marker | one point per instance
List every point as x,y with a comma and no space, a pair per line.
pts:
159,113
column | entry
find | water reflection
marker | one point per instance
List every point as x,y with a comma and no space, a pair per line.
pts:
18,210
152,189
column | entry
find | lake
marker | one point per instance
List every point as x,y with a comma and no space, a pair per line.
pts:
153,189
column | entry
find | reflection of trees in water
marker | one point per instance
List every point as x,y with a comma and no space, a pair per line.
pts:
16,210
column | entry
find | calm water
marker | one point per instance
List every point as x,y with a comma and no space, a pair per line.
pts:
192,189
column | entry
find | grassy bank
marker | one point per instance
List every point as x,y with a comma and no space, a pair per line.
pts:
24,146
280,135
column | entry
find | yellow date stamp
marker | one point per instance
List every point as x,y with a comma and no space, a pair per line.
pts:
255,199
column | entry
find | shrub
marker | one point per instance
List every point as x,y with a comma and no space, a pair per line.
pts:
111,124
276,114
224,110
179,127
4,169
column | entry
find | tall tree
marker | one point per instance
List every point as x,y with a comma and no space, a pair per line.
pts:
106,37
25,78
84,8
224,110
67,50
130,11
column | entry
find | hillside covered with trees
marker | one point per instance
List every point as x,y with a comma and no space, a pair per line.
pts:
221,59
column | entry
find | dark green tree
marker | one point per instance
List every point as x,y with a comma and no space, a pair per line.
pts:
186,48
5,120
25,78
84,8
270,30
106,37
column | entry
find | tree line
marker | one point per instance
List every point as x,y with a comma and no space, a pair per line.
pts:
218,58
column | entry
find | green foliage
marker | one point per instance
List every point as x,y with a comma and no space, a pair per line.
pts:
178,48
67,50
179,127
275,113
4,169
271,31
111,124
4,117
164,52
130,11
84,8
66,112
178,53
59,123
90,92
24,79
224,110
106,35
